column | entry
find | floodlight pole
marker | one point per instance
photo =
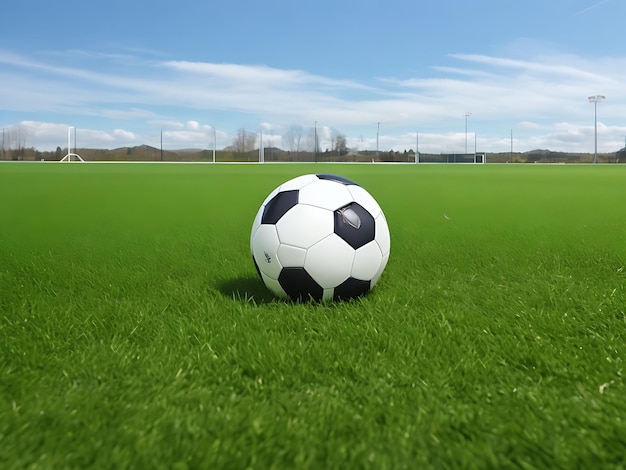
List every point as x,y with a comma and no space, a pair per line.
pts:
595,99
466,114
475,147
417,147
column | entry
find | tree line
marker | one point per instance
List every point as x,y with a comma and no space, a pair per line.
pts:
296,140
14,142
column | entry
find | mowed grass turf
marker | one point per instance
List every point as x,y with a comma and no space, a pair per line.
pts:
134,332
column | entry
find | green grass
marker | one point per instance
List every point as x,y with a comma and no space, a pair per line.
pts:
134,332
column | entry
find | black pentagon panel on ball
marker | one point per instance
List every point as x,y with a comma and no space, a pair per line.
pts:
351,288
338,179
355,225
278,206
299,285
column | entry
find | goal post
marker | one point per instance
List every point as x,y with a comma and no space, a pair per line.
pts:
70,154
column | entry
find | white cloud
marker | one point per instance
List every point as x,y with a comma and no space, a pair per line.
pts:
164,123
127,114
124,135
536,97
259,75
554,69
528,125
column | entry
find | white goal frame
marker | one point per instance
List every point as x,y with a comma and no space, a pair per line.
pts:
68,157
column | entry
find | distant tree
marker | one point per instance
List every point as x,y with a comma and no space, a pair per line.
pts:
293,138
16,141
341,144
312,141
58,154
244,141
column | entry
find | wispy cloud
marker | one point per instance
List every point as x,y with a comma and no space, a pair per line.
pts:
144,95
591,7
262,75
554,67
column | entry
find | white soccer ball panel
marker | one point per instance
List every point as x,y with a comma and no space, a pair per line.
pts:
329,262
291,256
328,294
303,226
365,199
298,183
367,260
380,270
265,245
382,234
256,224
324,193
274,286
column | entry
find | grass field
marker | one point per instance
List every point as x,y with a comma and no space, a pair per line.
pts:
134,332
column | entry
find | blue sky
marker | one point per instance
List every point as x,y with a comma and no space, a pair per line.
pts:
122,72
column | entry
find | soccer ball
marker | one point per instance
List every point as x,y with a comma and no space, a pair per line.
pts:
320,237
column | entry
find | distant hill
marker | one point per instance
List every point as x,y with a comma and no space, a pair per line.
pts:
147,153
